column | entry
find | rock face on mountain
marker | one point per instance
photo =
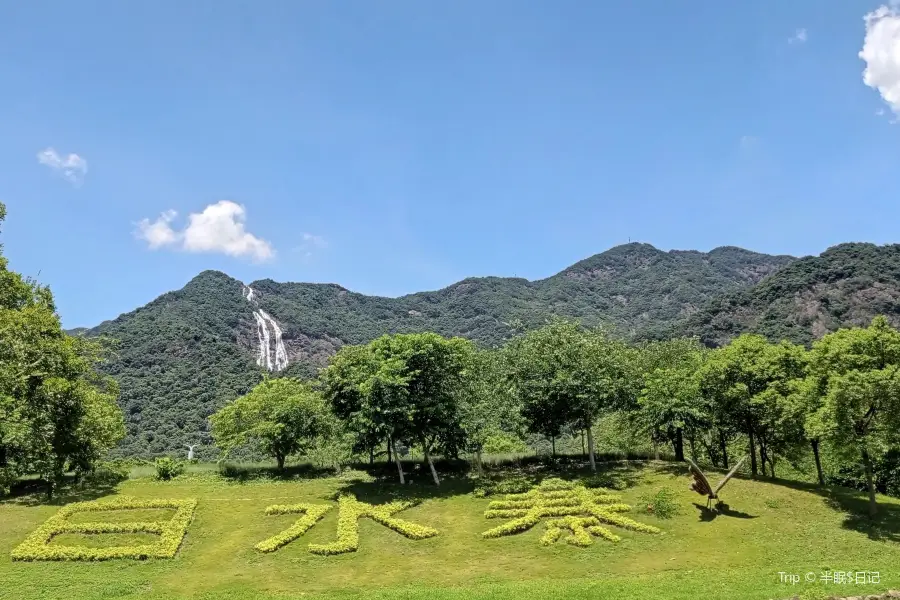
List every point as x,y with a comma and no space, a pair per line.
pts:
847,285
187,353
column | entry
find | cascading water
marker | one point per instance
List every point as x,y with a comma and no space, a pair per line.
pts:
273,359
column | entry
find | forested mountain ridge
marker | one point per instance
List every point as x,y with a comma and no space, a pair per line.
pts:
847,285
184,355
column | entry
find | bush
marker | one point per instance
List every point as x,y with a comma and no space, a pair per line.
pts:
662,503
351,510
37,545
886,471
312,513
570,506
513,485
107,474
168,468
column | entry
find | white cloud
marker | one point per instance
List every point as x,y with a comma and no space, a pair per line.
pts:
309,243
158,233
800,36
73,167
218,228
881,52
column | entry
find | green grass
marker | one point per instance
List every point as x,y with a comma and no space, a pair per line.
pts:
736,554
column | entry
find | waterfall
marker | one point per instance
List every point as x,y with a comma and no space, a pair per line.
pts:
262,334
281,359
273,359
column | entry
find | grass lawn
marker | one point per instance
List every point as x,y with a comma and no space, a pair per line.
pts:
769,527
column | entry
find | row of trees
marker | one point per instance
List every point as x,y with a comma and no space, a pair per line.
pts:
56,413
447,396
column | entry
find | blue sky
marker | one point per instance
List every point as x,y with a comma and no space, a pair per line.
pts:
400,146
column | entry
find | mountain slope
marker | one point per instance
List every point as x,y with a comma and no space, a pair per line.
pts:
846,285
187,353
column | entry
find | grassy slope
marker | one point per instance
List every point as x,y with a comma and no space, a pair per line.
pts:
733,556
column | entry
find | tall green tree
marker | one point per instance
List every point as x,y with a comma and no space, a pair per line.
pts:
279,417
404,385
56,412
567,376
855,379
487,406
670,404
738,380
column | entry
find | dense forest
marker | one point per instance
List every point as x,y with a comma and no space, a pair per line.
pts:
187,353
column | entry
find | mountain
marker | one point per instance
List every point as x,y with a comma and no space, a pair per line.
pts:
187,353
845,286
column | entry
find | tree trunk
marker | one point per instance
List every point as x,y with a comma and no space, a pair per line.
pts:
724,445
762,458
3,460
772,465
582,443
679,445
553,445
753,466
870,482
693,448
478,463
815,449
397,459
655,450
389,454
590,441
279,458
430,464
371,454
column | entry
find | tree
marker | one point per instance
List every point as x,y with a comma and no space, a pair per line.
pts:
405,385
670,403
279,417
56,412
565,375
856,392
487,408
746,382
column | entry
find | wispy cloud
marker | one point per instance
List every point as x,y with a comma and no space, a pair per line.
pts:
73,168
800,36
748,142
219,228
309,244
881,53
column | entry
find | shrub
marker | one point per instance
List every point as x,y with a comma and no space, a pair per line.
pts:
662,504
168,468
604,480
513,485
569,506
312,513
37,545
350,510
107,474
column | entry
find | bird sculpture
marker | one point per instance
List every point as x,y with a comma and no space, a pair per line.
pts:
701,483
190,455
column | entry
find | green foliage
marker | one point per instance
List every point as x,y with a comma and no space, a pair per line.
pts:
312,514
37,545
107,474
199,343
845,286
168,468
567,376
855,392
351,510
57,413
405,386
279,417
662,503
582,510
